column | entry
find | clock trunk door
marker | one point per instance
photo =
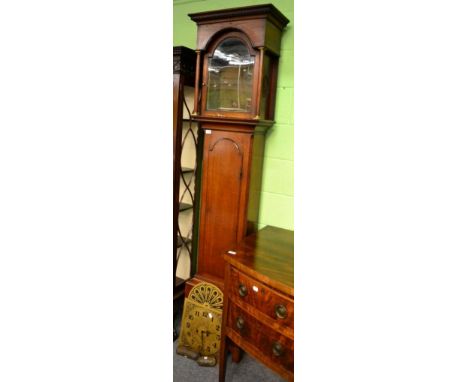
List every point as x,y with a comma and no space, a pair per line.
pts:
224,197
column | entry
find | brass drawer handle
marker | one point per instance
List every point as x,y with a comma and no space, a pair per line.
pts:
242,290
281,311
240,323
277,349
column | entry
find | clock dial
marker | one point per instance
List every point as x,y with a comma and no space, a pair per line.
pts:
201,320
201,329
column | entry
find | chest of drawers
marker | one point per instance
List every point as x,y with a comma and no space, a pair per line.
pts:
258,314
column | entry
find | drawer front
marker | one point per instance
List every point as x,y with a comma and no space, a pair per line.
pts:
278,348
254,293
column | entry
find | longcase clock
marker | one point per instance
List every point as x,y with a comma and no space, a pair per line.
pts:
235,85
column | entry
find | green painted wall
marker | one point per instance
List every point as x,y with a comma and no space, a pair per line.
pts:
277,197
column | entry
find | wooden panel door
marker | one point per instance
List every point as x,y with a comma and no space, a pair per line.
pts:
226,158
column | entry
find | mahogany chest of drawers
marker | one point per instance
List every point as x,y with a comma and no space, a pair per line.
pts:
258,313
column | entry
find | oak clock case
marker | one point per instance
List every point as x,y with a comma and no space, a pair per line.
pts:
236,72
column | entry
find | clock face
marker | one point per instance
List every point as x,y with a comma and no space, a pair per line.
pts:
201,320
201,330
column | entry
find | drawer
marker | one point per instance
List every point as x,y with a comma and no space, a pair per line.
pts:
271,344
264,299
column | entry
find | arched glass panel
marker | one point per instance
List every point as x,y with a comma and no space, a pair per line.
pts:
230,77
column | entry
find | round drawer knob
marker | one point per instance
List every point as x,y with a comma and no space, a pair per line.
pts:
242,290
281,311
277,349
240,323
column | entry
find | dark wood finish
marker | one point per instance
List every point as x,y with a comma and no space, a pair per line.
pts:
259,81
270,110
255,91
268,257
233,147
197,83
233,140
182,240
224,193
255,183
183,63
264,301
258,314
259,339
261,28
183,74
262,23
178,288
